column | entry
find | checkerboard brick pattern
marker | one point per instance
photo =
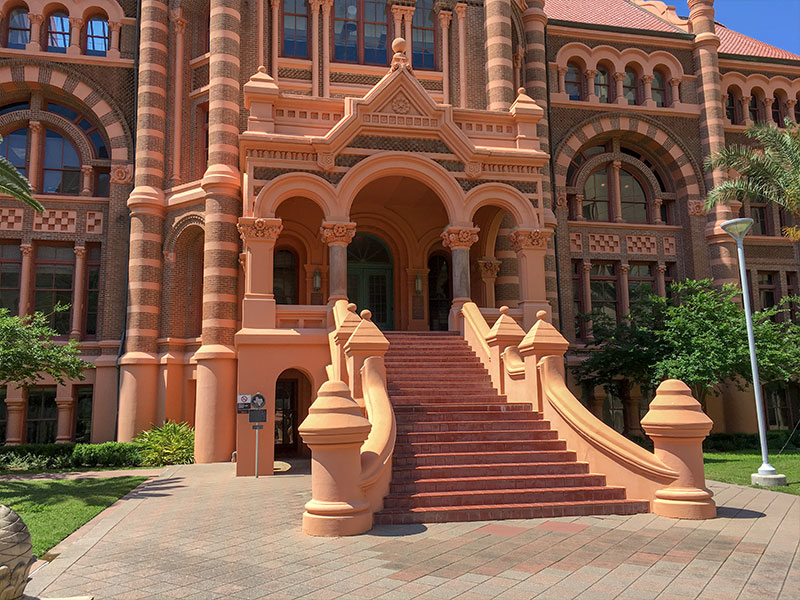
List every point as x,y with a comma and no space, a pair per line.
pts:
576,242
94,221
641,244
604,243
58,221
669,246
203,533
11,219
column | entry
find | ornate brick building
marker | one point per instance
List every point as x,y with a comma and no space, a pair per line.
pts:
216,175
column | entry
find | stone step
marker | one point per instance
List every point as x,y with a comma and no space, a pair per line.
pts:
463,410
475,458
488,446
469,426
504,496
521,482
476,436
402,474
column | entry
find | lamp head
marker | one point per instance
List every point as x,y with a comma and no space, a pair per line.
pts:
737,228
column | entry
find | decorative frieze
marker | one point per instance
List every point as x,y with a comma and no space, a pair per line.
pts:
57,221
94,222
669,246
11,219
575,242
524,239
604,243
641,244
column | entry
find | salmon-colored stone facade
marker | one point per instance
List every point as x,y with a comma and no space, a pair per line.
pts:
218,174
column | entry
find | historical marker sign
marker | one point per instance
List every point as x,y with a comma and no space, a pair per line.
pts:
258,416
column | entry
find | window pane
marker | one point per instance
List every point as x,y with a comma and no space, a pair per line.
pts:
634,200
19,29
595,192
97,37
57,33
14,148
572,82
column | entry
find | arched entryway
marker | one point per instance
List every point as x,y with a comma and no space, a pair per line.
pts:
370,278
440,291
292,400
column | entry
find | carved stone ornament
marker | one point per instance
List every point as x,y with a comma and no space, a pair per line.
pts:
265,229
489,268
526,239
16,557
561,202
401,105
337,233
400,60
121,174
26,249
460,238
697,208
472,169
326,161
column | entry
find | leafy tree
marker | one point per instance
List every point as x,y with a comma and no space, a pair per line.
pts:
14,183
771,172
28,351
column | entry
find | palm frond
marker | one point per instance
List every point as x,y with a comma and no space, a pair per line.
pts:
14,183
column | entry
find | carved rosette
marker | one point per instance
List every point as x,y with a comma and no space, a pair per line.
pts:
337,233
259,229
326,161
401,105
472,169
696,208
561,202
489,268
460,238
522,239
122,174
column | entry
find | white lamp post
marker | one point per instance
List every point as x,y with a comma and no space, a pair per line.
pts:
767,475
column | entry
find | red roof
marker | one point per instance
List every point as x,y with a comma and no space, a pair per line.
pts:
623,13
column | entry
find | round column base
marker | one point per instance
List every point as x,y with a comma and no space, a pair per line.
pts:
768,480
684,503
334,519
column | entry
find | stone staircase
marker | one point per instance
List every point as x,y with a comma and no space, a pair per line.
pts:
463,453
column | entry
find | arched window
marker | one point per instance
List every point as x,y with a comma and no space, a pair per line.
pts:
572,82
14,148
601,85
92,132
777,111
58,32
730,108
19,29
359,32
423,28
755,114
595,197
634,200
659,89
629,86
97,39
295,28
285,277
62,167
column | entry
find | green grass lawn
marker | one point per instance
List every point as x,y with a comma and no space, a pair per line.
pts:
54,509
736,467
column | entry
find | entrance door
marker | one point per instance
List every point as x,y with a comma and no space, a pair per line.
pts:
286,417
440,292
369,278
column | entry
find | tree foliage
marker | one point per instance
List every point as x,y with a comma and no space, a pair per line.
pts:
29,351
14,183
697,335
770,172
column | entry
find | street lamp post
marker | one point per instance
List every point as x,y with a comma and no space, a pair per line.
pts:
767,475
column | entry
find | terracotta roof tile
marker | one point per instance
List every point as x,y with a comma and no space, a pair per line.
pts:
734,42
615,13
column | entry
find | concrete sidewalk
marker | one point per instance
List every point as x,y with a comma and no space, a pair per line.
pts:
199,532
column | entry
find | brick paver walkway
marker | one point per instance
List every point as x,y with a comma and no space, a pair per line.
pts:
198,532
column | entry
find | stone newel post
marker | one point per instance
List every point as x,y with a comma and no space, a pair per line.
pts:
334,430
504,333
367,340
677,425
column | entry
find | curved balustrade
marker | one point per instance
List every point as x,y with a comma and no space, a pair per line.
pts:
377,450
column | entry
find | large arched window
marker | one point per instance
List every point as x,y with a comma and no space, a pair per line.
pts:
659,89
19,29
285,277
97,39
634,200
423,30
755,113
57,32
596,198
62,167
14,148
360,30
630,86
572,82
730,108
295,28
777,110
602,88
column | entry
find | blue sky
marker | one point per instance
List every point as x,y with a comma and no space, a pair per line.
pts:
775,22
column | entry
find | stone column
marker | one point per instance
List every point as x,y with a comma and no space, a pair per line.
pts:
745,102
624,296
657,204
78,293
445,16
676,92
591,96
87,180
397,19
215,417
65,401
489,268
326,47
34,44
499,62
461,13
616,192
562,80
768,102
179,24
259,237
460,240
113,43
274,25
408,16
790,104
586,295
16,407
337,236
314,6
139,364
75,24
647,80
619,79
661,284
34,158
530,246
26,277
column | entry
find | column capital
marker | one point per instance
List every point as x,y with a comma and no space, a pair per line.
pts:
315,5
562,70
178,21
489,267
259,228
326,7
619,75
35,126
528,239
768,101
116,25
590,72
87,169
337,233
674,82
76,22
586,265
80,251
459,237
26,249
460,10
35,19
444,16
661,268
624,268
745,99
647,78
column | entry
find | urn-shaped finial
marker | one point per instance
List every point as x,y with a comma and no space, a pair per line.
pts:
16,558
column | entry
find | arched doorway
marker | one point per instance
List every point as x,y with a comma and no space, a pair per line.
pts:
440,292
370,278
292,400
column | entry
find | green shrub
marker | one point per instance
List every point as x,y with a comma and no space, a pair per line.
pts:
36,457
108,454
170,444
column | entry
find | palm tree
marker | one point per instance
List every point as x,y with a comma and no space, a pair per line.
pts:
13,183
771,172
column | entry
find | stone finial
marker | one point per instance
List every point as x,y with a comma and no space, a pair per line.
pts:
400,60
505,330
16,554
541,315
543,339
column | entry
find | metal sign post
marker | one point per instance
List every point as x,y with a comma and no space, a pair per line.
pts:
258,429
257,415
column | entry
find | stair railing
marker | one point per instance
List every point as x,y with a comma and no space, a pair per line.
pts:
351,430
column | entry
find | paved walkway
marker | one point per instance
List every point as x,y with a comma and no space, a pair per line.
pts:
198,532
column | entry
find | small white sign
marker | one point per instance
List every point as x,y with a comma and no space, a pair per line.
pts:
244,399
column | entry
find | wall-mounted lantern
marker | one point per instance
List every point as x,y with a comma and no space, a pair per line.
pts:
418,284
316,280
